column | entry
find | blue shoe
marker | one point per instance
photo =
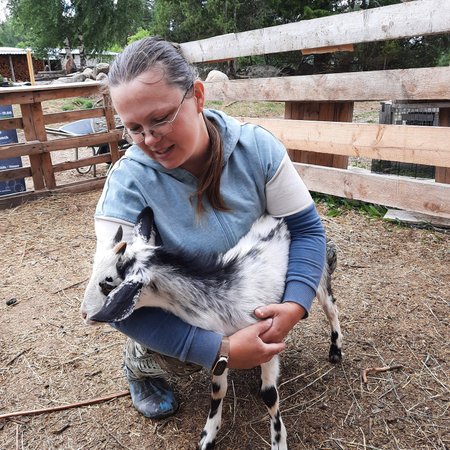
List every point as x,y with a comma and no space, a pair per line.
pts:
150,393
153,397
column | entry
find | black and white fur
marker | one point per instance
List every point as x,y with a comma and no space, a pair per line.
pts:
218,293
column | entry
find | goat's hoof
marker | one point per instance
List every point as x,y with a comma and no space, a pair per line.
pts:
335,354
203,444
206,445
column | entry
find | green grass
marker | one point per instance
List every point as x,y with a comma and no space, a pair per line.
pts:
336,206
249,109
77,103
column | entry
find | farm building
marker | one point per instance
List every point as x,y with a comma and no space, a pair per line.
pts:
13,64
13,61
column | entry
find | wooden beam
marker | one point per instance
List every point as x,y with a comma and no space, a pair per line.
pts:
418,18
425,197
67,165
332,49
403,143
10,96
111,126
41,135
15,150
32,94
37,166
14,174
404,84
87,140
78,91
11,124
70,116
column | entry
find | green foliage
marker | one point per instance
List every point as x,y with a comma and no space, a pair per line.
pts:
77,103
337,206
115,48
444,59
10,33
96,25
140,34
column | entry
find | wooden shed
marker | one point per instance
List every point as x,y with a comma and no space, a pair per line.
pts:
13,64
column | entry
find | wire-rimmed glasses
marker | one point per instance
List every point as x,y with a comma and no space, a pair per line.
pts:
158,130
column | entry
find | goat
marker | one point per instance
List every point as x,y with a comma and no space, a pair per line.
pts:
217,293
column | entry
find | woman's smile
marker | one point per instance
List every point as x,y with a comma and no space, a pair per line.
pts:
163,153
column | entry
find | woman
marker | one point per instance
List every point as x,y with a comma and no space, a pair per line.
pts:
207,178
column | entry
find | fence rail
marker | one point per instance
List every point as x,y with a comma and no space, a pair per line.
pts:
318,109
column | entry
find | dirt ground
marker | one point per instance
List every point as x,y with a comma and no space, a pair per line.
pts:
392,289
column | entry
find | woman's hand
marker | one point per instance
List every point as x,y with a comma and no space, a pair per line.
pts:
247,348
284,315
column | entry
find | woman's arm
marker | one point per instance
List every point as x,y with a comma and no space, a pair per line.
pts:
305,267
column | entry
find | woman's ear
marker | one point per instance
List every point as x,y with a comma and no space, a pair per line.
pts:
199,94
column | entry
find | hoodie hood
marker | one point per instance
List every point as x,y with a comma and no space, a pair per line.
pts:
229,129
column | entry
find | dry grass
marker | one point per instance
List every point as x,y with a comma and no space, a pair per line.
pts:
392,288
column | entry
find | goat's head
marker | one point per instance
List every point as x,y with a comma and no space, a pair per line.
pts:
117,276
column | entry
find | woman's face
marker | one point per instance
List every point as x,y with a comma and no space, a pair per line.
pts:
148,100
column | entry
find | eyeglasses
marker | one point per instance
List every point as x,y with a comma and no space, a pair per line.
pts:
158,130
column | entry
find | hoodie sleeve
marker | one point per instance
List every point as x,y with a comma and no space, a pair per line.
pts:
306,257
287,196
165,333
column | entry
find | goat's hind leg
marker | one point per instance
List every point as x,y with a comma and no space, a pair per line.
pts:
328,304
219,386
269,394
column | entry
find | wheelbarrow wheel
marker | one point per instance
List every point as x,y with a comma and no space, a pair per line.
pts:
84,170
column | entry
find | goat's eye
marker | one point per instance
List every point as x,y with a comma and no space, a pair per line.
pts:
106,287
108,279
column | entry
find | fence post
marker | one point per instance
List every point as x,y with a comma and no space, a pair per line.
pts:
326,111
34,129
442,174
111,125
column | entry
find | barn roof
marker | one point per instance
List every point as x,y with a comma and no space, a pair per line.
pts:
12,51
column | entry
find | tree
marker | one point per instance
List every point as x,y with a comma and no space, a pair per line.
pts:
93,26
10,34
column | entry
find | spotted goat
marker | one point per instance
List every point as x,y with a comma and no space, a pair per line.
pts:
218,293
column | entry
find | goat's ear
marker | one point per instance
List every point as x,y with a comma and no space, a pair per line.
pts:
119,303
144,223
119,234
119,249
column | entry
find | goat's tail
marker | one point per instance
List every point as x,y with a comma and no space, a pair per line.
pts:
331,256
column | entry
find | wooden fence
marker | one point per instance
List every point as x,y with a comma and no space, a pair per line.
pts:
317,128
39,148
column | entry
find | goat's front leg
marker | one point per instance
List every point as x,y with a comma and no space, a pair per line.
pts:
219,386
269,393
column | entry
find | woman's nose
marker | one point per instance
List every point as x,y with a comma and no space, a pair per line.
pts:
149,139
